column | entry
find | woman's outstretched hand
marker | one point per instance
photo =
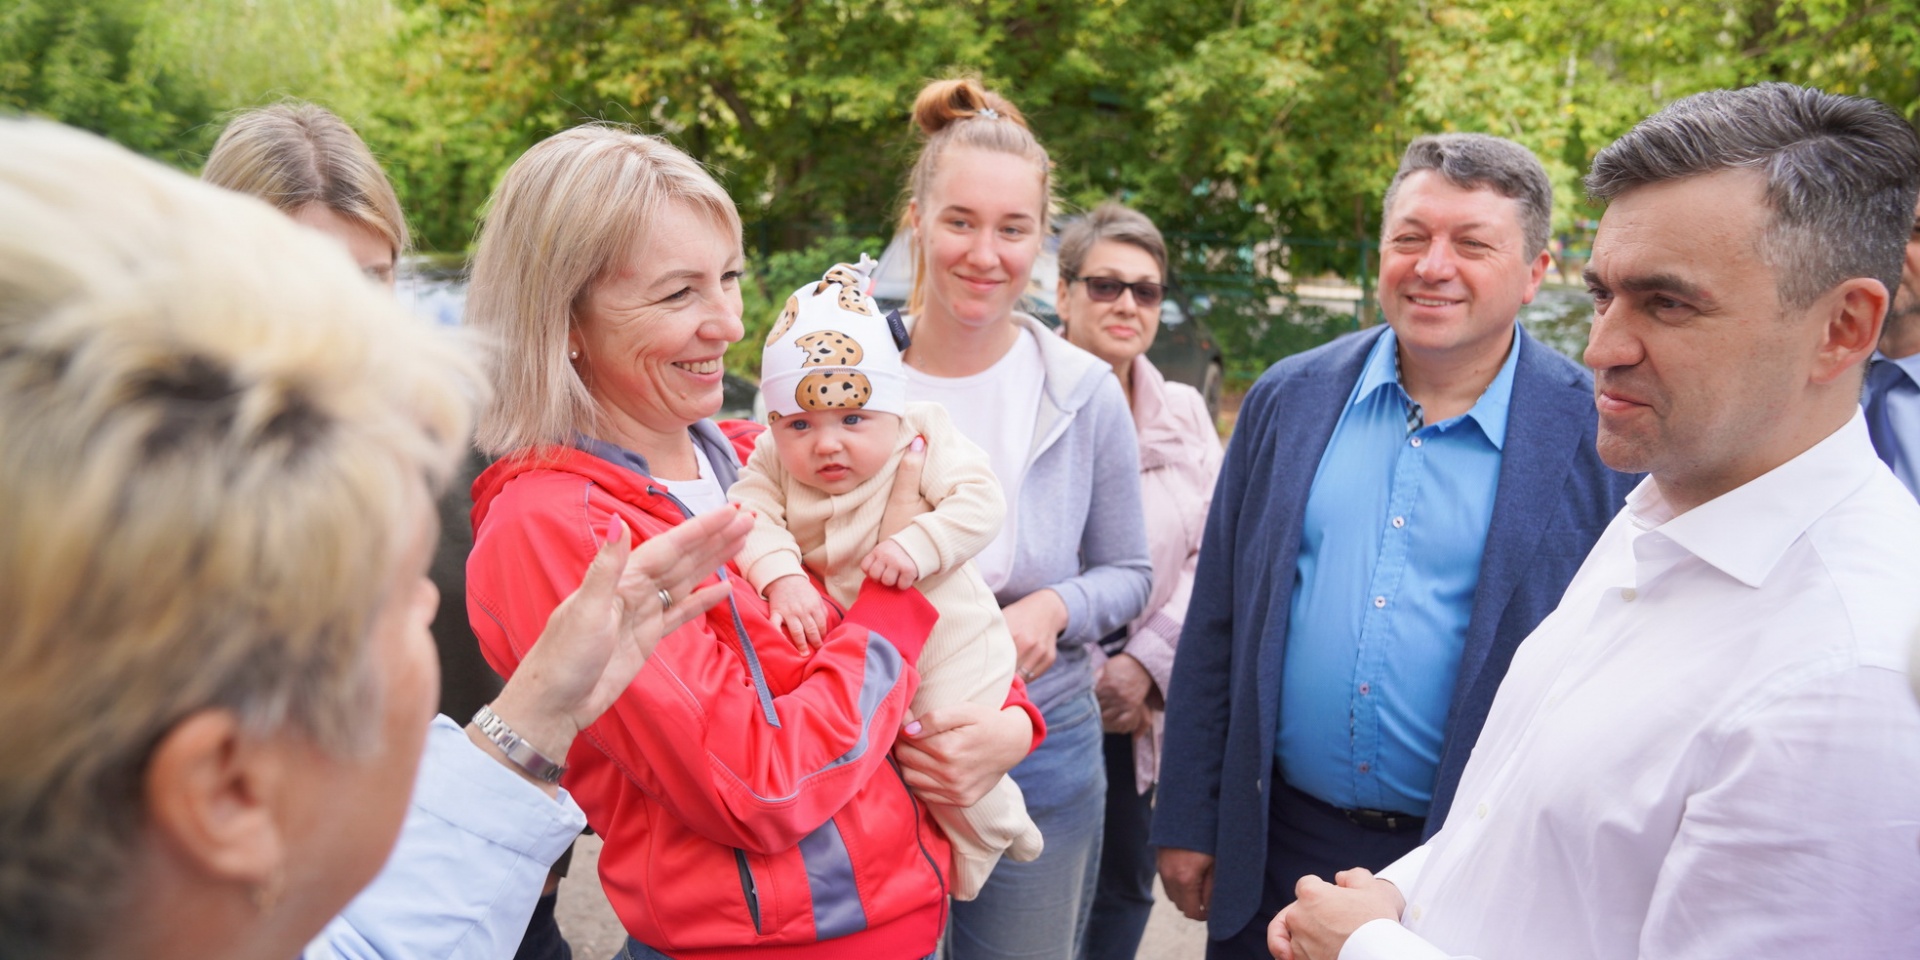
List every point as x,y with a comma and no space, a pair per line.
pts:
600,636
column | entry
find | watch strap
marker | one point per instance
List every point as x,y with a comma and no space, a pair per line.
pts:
519,752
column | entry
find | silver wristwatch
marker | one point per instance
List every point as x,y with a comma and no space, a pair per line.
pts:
518,750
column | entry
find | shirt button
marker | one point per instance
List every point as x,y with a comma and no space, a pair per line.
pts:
1399,522
1415,441
1480,811
1365,689
1379,602
1629,594
1364,767
1414,913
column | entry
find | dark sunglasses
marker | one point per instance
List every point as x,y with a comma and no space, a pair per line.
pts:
1107,290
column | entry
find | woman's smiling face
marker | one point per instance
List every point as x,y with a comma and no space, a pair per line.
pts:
979,228
652,335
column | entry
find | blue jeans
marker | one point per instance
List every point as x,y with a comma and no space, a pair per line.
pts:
1039,910
1124,899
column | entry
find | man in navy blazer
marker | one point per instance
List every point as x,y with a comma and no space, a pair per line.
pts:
1398,509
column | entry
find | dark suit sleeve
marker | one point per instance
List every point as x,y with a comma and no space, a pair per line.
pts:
1186,808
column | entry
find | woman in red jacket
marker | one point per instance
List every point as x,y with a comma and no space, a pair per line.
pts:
747,794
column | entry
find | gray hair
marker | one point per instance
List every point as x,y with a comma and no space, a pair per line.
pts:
1110,221
1481,161
1842,174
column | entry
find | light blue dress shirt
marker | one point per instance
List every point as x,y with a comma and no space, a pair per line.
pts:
1390,552
471,860
1892,402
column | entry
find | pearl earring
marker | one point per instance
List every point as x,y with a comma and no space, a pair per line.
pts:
573,355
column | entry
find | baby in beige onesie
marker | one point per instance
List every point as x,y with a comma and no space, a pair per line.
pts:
819,479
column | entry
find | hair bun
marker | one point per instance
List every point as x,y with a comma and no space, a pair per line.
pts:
943,103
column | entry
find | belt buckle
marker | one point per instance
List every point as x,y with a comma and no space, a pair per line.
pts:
1385,821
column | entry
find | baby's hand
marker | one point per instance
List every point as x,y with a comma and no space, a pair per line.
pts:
796,606
890,566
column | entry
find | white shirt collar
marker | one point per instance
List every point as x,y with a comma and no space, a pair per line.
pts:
1745,531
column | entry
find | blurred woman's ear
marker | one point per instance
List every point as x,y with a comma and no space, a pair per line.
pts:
212,802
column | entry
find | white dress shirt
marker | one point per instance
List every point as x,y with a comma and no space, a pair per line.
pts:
1709,750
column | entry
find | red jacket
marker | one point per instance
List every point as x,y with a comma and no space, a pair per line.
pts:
746,794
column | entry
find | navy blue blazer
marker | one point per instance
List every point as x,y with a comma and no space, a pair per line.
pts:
1555,498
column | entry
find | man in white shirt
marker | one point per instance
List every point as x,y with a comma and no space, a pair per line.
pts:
1709,749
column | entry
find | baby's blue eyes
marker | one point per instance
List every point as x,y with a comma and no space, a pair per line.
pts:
848,420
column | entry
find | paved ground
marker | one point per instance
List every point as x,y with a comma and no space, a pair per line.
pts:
589,923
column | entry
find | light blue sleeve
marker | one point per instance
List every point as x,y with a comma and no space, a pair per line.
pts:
471,860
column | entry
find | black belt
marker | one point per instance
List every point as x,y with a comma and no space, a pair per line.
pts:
1379,821
1385,821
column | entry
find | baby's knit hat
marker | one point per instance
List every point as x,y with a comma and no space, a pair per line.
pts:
832,349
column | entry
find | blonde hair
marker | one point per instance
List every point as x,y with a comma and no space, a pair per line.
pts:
216,440
566,216
295,153
962,114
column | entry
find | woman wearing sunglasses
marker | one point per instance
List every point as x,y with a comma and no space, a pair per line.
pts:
1113,270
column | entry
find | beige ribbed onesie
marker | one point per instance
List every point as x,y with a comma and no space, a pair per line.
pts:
969,654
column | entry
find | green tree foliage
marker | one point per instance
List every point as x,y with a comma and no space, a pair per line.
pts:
93,64
1259,134
776,275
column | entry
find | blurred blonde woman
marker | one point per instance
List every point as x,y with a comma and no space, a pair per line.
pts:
218,448
310,165
313,167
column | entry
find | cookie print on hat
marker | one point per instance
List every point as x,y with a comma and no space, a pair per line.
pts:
836,389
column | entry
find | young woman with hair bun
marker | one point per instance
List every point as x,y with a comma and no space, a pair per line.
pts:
1070,565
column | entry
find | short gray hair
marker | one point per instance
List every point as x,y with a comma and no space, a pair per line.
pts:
1842,174
1110,221
1474,161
